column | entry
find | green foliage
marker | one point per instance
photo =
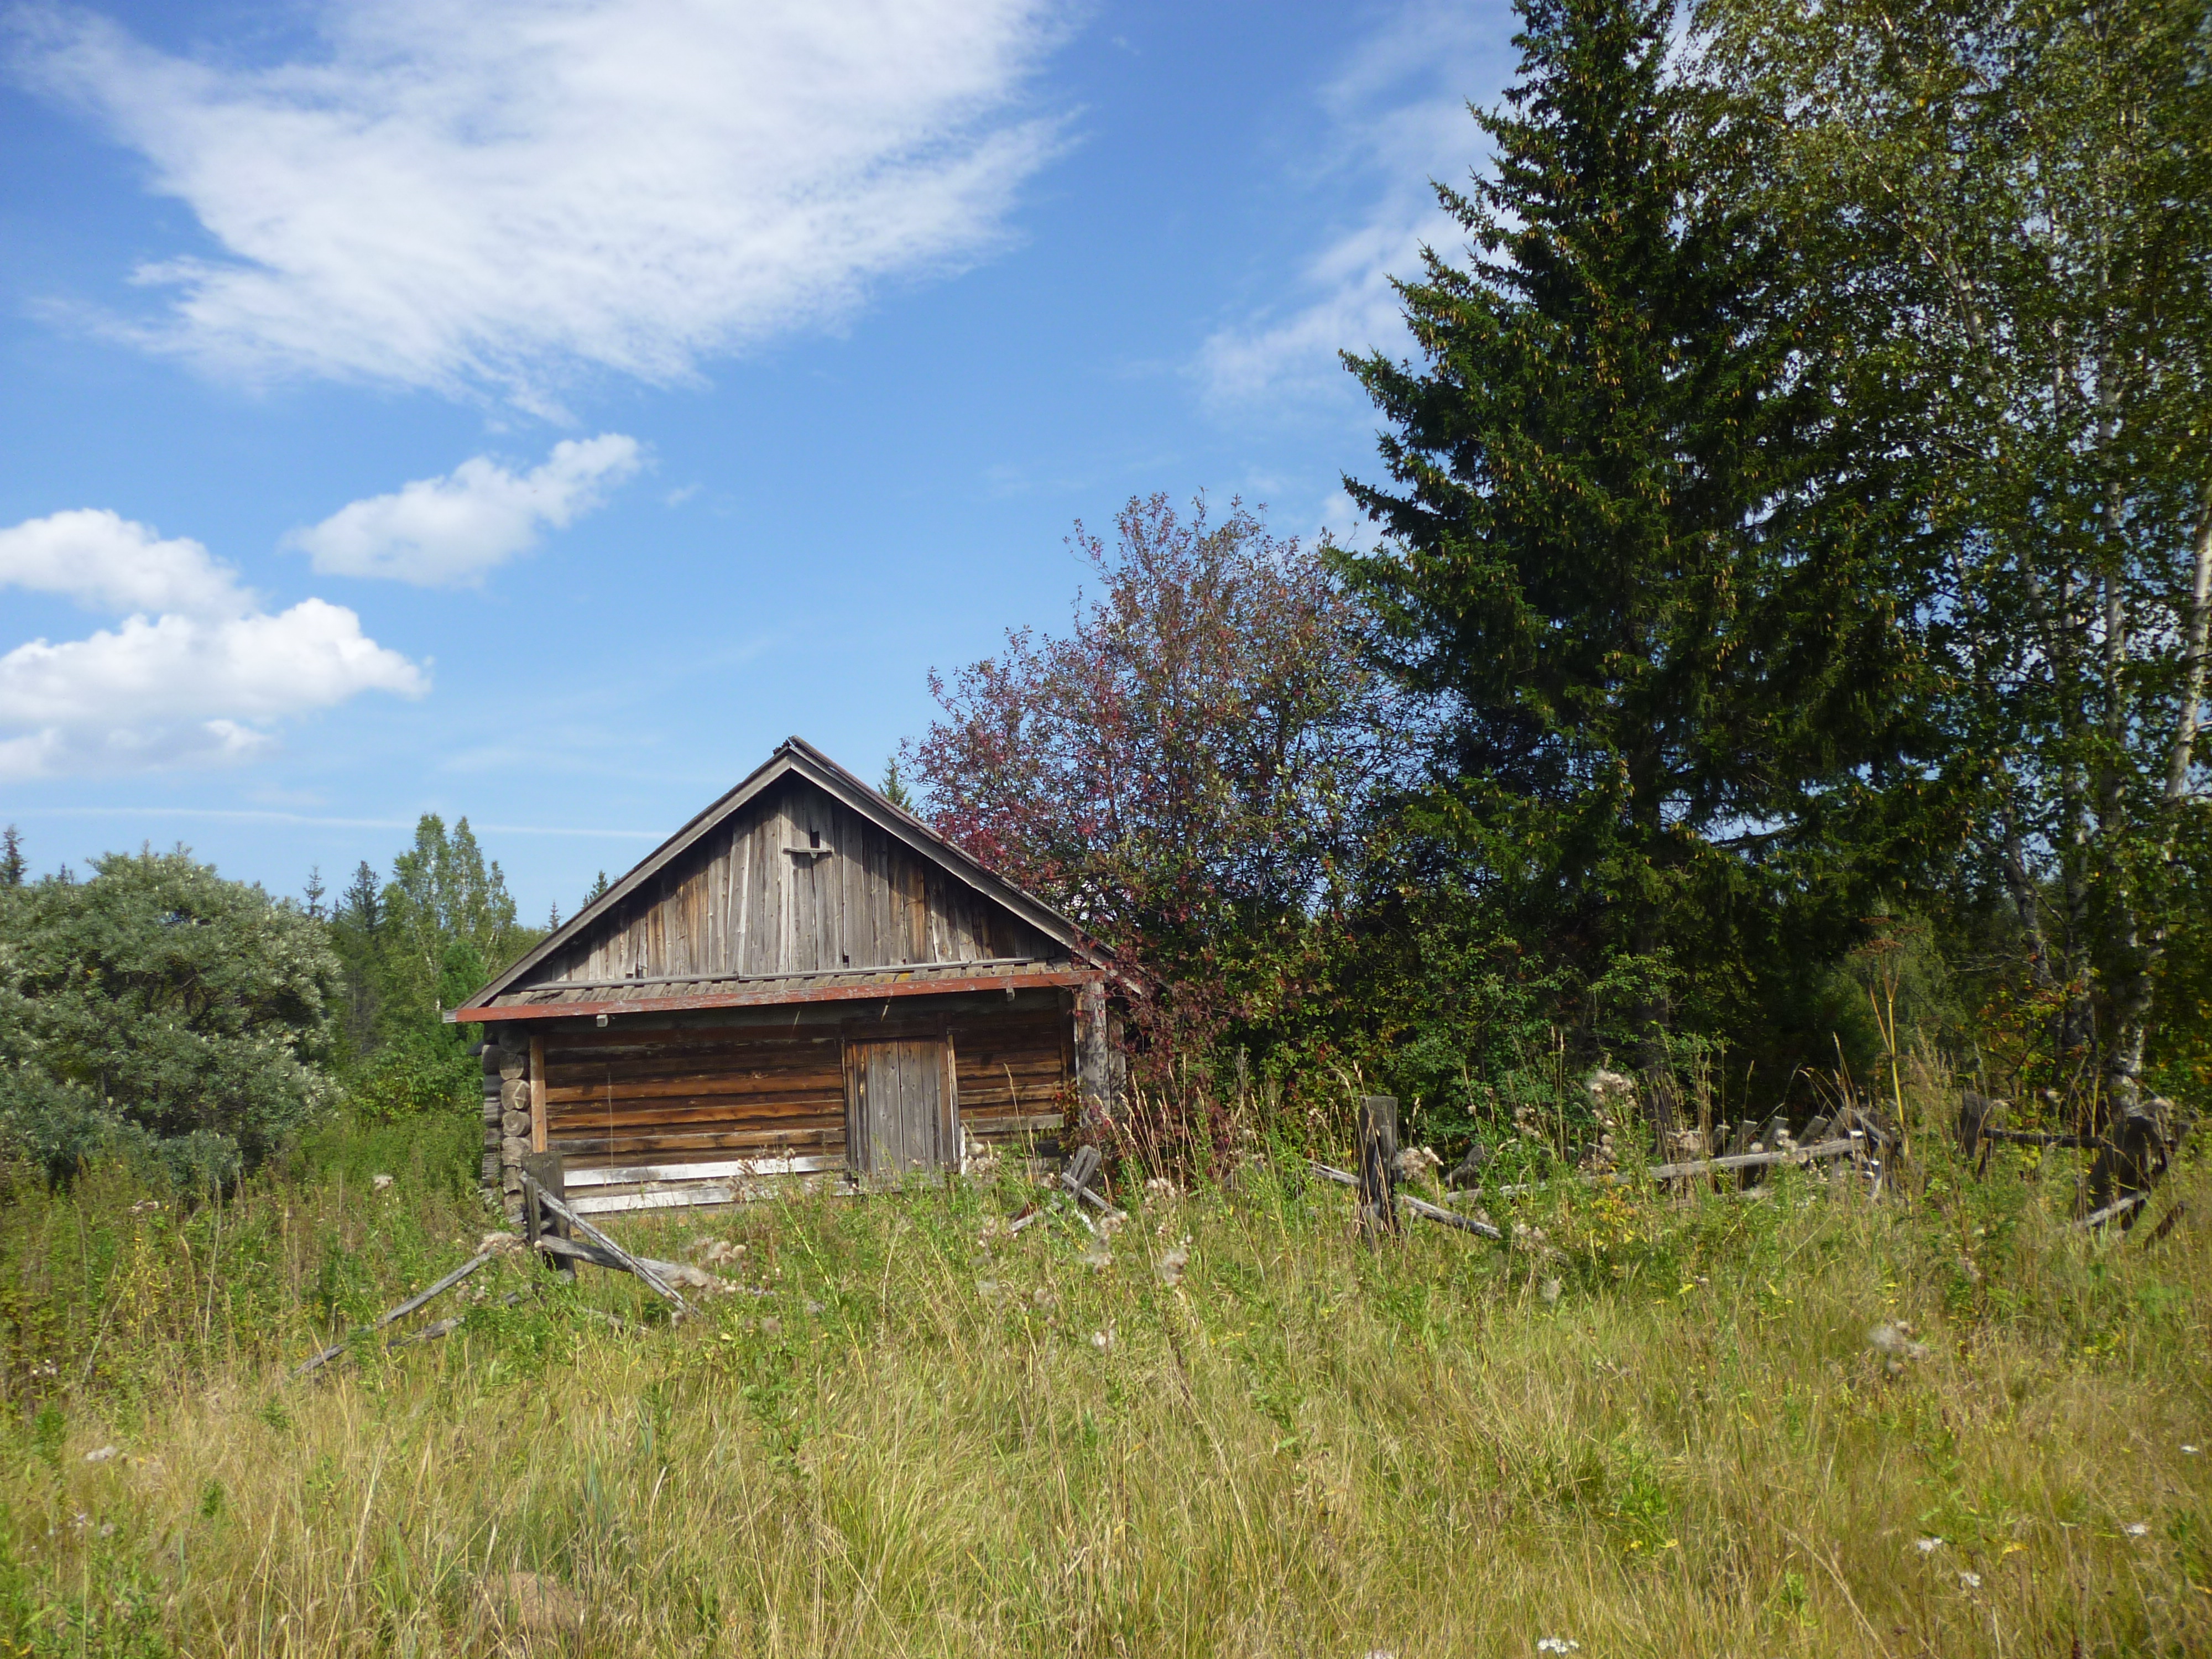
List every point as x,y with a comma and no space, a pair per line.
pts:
1635,564
2012,201
1185,772
447,919
422,942
157,1006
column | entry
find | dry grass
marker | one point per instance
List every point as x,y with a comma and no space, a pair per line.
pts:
1660,1431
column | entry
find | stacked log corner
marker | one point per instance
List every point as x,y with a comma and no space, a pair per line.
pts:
507,1124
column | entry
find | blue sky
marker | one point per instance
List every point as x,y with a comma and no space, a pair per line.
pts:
539,416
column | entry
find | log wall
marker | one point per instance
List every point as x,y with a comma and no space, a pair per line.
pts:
726,1100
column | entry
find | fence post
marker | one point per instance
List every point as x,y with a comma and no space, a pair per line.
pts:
547,1170
1378,1163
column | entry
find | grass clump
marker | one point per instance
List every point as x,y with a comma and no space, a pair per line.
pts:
1656,1425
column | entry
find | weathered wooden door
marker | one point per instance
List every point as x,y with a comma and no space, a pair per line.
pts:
900,1111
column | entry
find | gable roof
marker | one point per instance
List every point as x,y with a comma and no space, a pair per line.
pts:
795,757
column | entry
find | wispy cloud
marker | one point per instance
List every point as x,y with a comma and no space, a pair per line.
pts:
1398,116
498,194
245,814
201,681
449,531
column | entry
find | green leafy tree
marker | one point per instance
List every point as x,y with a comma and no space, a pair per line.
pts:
1184,770
423,942
1634,564
158,1003
2018,199
448,920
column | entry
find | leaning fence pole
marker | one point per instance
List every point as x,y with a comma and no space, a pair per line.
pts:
628,1262
401,1311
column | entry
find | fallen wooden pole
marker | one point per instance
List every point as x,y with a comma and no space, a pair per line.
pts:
1827,1149
1428,1211
570,1249
2117,1208
400,1312
1824,1150
623,1259
428,1333
1420,1207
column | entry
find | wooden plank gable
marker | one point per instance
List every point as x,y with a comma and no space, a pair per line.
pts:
801,869
797,883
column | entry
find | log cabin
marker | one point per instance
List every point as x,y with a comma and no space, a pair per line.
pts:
805,983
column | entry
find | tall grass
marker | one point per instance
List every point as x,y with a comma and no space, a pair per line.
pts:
1659,1427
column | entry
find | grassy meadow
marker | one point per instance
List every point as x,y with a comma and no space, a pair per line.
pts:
1656,1424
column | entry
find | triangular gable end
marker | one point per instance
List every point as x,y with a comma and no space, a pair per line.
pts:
739,894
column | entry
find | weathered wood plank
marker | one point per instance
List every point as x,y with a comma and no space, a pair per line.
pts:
536,1094
636,1175
670,1144
583,1119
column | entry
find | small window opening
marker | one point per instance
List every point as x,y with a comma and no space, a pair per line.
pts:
814,838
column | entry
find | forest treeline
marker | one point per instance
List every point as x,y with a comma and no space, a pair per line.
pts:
1786,624
191,1024
1778,636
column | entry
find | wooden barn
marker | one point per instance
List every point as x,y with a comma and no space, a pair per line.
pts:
803,982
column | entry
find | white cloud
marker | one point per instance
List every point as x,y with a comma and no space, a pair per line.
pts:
200,683
493,194
1399,115
448,532
109,564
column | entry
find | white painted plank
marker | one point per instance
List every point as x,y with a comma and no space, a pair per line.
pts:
738,1168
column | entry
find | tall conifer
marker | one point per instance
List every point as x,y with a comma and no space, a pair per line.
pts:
1623,552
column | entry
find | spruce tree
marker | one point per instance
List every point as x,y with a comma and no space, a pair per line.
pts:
1627,540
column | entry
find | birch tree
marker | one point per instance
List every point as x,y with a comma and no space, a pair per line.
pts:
2015,203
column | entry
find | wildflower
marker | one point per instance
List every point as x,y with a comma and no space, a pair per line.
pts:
1414,1162
1970,1581
1896,1342
2135,1528
1171,1263
1549,1290
2190,1451
379,1181
1558,1644
1608,1087
1928,1545
100,1455
1103,1340
1097,1258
